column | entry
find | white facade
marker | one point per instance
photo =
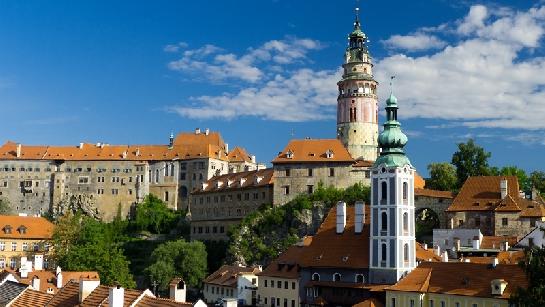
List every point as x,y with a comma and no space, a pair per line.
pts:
392,239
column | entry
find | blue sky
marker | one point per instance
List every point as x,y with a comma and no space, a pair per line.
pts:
262,72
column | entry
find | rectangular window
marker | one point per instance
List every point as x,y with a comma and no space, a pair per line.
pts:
393,302
265,283
285,285
83,180
2,246
411,303
293,285
25,247
310,189
13,246
286,189
477,221
310,172
288,172
279,284
331,172
504,221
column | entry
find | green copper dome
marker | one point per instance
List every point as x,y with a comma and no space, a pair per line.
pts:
392,140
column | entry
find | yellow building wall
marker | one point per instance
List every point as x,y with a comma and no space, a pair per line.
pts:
403,299
7,253
274,291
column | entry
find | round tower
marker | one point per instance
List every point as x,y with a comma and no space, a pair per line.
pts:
357,103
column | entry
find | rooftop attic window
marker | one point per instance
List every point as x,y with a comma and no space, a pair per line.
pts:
22,229
329,154
289,154
476,204
7,229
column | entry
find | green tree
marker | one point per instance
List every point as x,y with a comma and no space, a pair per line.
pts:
5,209
537,181
442,177
154,215
534,294
178,258
83,244
470,160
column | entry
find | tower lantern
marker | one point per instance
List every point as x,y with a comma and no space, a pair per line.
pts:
357,102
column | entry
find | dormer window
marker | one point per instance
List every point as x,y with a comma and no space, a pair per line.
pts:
289,154
22,229
329,154
7,229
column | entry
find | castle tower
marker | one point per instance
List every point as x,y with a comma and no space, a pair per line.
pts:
392,239
357,103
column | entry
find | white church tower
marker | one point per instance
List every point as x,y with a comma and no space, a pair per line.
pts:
392,239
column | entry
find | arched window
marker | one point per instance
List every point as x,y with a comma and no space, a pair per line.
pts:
406,252
337,277
172,170
405,221
316,277
383,252
359,278
384,221
384,190
405,191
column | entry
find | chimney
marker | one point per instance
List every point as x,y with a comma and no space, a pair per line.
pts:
25,267
467,260
177,290
444,256
197,130
476,243
495,262
226,148
253,158
38,262
59,278
80,146
86,286
360,216
18,153
505,246
204,185
503,188
36,283
425,246
206,131
341,216
116,296
137,153
437,250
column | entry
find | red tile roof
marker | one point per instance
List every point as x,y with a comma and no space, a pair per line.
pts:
227,275
31,298
25,227
239,154
249,179
309,151
494,242
68,296
482,193
460,278
287,264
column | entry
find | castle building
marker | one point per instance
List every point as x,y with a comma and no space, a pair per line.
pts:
98,178
357,103
392,205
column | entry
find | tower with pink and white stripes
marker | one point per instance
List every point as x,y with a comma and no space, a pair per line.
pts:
357,103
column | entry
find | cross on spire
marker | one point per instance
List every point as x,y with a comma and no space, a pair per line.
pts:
392,84
357,12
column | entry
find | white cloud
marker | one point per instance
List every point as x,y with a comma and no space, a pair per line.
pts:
175,47
302,96
414,42
486,78
215,64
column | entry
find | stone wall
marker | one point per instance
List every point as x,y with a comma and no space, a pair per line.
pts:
436,204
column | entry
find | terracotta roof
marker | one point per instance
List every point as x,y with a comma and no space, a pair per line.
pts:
241,180
460,278
227,275
346,250
32,298
186,146
433,193
148,301
419,182
33,227
48,279
239,154
494,242
371,302
504,257
309,151
425,254
482,193
363,163
68,296
286,265
99,297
